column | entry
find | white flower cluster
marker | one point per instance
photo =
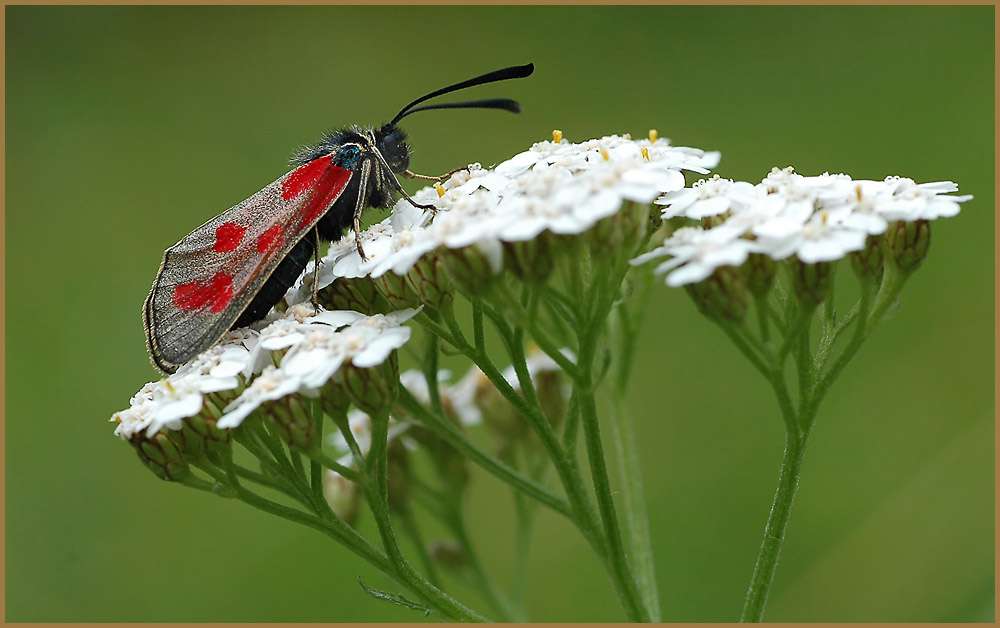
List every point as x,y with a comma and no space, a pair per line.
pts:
557,186
817,219
313,345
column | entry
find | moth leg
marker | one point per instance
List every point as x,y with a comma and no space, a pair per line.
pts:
366,169
315,290
424,177
395,184
400,189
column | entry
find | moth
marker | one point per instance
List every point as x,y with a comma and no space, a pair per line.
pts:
232,270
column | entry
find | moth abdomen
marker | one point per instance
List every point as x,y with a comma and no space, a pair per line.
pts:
283,278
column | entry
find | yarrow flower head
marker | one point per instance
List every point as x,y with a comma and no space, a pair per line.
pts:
555,187
163,405
299,351
817,219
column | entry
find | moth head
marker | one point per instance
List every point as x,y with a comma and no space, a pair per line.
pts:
390,140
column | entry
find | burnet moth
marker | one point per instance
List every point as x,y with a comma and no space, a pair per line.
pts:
230,271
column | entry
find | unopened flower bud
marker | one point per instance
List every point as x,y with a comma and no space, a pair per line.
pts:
397,291
532,260
759,272
722,296
908,243
359,295
292,416
868,262
373,390
162,456
811,282
334,400
429,281
620,231
473,269
200,435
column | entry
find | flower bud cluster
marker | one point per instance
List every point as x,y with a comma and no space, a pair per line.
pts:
811,220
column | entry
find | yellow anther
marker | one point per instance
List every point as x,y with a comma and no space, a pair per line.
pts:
645,153
653,135
439,188
604,153
557,135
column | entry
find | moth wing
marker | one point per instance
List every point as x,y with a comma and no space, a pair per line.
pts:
208,278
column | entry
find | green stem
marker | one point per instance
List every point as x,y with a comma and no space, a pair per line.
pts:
264,480
869,314
332,527
316,473
745,346
376,494
602,292
529,322
457,439
431,373
622,576
413,530
626,327
271,455
634,504
763,317
572,427
814,383
804,364
559,304
522,541
583,511
321,459
774,531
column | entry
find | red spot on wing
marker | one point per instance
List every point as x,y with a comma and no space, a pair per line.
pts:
215,294
327,189
267,238
303,177
228,236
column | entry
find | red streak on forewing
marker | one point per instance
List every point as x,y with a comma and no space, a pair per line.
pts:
303,177
267,238
216,293
325,192
228,236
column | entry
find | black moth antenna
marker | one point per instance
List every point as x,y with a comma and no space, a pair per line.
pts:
513,72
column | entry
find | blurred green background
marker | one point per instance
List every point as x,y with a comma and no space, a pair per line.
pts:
127,127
